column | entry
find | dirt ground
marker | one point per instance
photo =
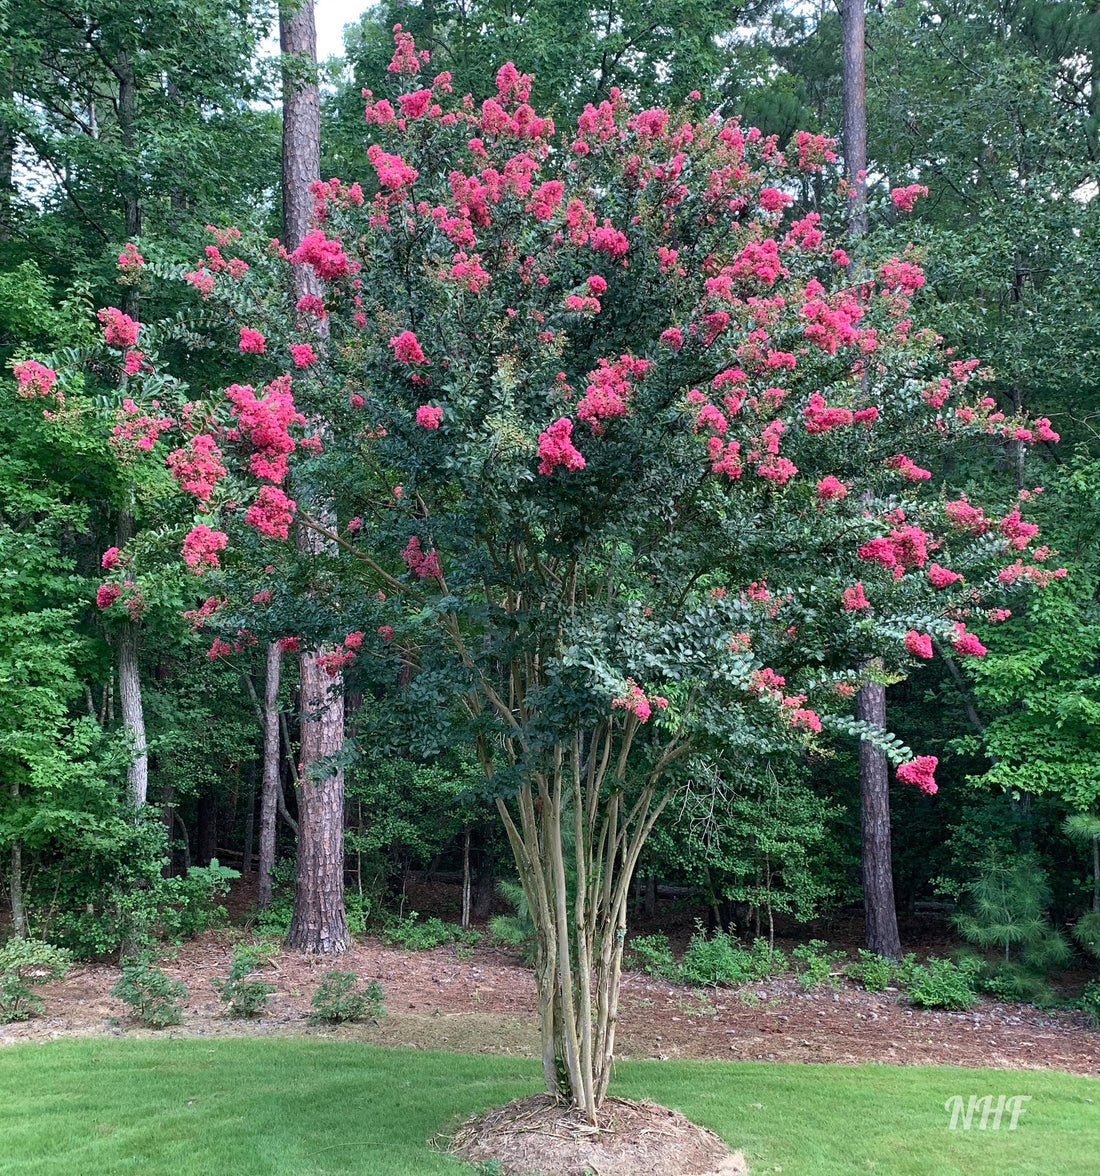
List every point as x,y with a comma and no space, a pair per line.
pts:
486,1004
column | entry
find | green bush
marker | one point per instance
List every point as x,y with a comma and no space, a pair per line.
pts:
816,963
244,995
720,959
943,984
517,930
873,971
408,933
1090,1002
336,1001
26,963
154,997
653,955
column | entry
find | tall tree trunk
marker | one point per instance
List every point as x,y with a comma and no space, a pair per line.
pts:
7,152
206,835
874,781
270,787
129,690
854,109
249,821
318,924
874,805
129,181
15,884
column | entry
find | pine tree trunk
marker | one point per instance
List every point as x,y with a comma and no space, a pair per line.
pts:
874,803
854,109
270,787
129,181
7,152
318,924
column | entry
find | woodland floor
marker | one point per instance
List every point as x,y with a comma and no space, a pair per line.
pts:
486,1004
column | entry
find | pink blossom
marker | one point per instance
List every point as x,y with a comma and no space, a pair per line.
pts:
353,640
130,261
252,341
312,305
110,557
302,354
33,378
636,703
905,198
767,681
942,577
609,240
198,467
107,594
201,546
918,644
424,565
266,421
807,719
119,330
556,448
131,364
219,649
1016,531
966,644
290,644
965,517
429,416
272,512
772,199
385,632
854,598
907,468
820,418
406,348
919,771
831,487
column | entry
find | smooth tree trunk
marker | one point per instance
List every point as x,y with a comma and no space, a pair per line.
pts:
874,806
318,924
129,182
271,785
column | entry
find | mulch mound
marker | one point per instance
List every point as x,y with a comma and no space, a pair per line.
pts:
539,1136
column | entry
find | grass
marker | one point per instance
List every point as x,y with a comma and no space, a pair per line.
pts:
275,1107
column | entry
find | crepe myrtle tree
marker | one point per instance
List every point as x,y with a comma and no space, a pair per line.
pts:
625,470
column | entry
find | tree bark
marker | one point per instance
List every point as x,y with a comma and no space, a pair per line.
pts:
318,924
129,690
271,785
249,820
129,181
207,820
874,803
854,109
15,884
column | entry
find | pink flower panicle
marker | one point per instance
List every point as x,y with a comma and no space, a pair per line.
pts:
198,467
831,487
556,448
406,348
119,330
908,469
252,341
303,354
272,512
942,577
635,702
423,565
266,421
905,198
854,598
919,771
201,547
918,644
429,415
107,594
327,258
130,261
33,378
966,644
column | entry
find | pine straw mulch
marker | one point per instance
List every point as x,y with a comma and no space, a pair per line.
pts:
539,1136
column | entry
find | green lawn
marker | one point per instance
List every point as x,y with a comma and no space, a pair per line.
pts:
269,1107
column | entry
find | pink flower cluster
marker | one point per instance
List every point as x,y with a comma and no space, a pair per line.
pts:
198,467
918,644
392,171
942,577
854,598
423,565
429,416
107,594
138,427
33,378
635,702
406,348
201,547
302,354
130,261
908,469
831,487
267,420
272,512
902,548
119,330
966,644
327,257
905,198
919,771
965,517
820,418
556,448
406,60
1018,533
252,341
609,390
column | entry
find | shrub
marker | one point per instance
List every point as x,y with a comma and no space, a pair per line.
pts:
336,1000
1090,1002
817,963
245,996
27,963
873,971
154,997
720,959
517,930
408,933
653,954
943,984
